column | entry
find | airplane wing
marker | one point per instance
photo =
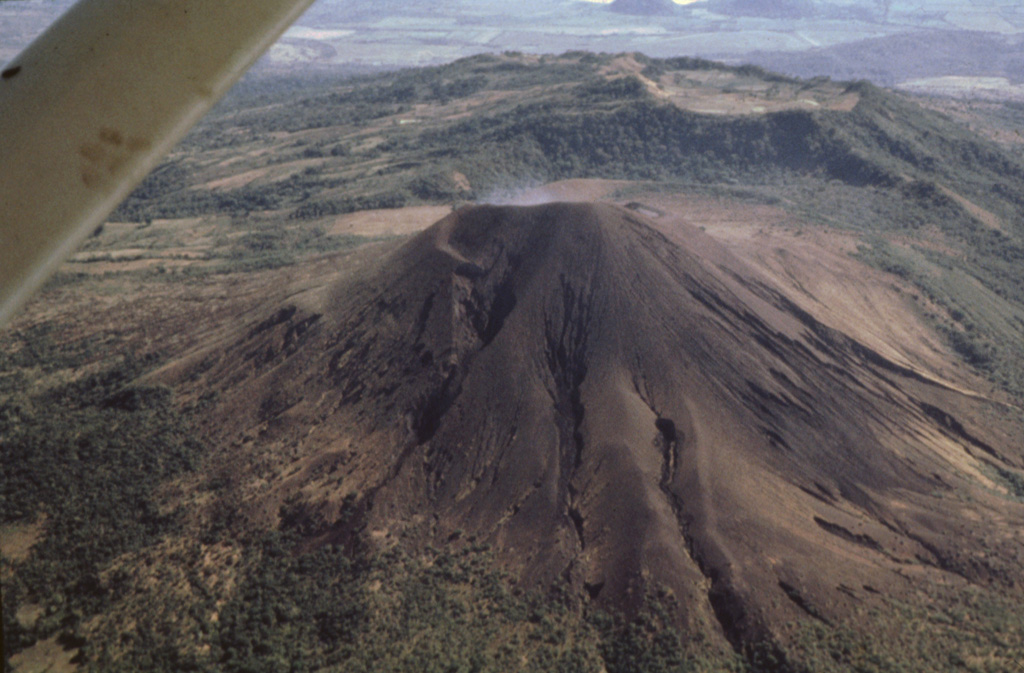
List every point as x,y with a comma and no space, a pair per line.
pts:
93,104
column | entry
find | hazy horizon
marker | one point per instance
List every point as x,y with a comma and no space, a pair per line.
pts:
953,47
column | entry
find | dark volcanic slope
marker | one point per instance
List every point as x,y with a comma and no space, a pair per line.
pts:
618,408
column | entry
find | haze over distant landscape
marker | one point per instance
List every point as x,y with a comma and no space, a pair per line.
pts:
943,46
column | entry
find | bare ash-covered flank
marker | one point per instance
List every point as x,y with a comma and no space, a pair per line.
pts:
620,408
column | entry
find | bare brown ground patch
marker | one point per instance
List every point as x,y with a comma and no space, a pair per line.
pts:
627,65
102,268
816,268
161,234
984,216
47,656
111,255
17,539
130,246
388,222
573,191
728,93
281,171
461,181
236,181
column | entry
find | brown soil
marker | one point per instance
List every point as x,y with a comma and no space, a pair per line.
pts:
17,540
393,222
728,93
47,656
984,216
619,401
239,180
815,269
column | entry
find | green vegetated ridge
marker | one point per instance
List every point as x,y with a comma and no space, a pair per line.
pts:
888,169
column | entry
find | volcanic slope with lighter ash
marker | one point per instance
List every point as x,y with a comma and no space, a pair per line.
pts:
619,409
